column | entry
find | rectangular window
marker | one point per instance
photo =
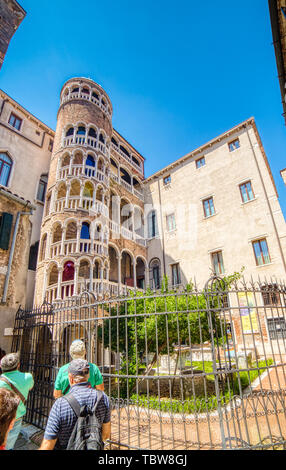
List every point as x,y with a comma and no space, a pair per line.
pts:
167,180
246,192
200,162
6,222
42,188
176,276
209,208
15,121
152,225
234,145
217,262
51,144
276,328
270,295
171,222
261,252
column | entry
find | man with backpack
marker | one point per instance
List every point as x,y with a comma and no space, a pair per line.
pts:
81,419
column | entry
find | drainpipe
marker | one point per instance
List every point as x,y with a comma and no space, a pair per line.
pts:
5,291
163,237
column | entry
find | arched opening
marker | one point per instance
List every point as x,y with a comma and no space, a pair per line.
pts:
92,133
113,263
62,191
71,231
53,275
127,269
85,231
135,161
75,188
95,95
155,273
96,270
78,158
43,247
57,233
100,164
125,176
66,161
70,132
140,273
68,277
126,210
138,222
48,204
81,130
68,271
85,91
88,190
125,151
101,138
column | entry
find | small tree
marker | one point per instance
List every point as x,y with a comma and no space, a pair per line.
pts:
155,323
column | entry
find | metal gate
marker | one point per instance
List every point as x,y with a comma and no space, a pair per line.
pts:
184,370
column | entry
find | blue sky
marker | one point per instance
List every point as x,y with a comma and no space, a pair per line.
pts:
178,73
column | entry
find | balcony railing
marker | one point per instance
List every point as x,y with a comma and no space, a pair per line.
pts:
128,159
98,287
85,141
77,203
87,97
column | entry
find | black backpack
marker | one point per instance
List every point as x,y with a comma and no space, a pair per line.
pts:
87,432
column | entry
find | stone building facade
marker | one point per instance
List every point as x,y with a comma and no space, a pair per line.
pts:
216,210
11,16
25,153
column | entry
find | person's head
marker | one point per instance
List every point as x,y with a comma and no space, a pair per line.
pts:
10,362
78,371
9,402
77,349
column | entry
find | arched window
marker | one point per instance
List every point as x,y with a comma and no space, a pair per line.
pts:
42,188
68,272
84,234
69,132
101,138
90,161
92,133
155,273
5,168
81,130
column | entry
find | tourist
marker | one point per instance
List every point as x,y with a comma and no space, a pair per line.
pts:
77,351
8,408
21,383
2,354
62,418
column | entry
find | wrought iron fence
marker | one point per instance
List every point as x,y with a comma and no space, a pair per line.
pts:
188,369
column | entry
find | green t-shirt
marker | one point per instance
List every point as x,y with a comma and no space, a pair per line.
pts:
62,379
24,382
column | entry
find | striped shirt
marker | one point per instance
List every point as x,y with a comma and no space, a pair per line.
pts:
62,418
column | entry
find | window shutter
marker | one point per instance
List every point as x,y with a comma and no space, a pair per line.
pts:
5,230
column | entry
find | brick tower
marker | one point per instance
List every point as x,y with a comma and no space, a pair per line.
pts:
76,253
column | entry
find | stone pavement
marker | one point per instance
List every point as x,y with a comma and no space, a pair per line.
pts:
30,438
